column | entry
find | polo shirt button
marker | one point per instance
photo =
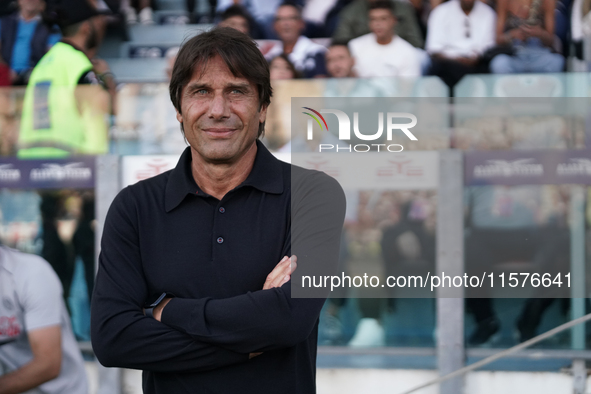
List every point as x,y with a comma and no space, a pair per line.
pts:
222,209
220,240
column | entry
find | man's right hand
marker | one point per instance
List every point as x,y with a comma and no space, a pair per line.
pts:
281,273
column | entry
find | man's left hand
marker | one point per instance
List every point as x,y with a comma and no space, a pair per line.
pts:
281,274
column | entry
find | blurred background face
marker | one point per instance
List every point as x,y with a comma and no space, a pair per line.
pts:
236,22
31,6
381,23
280,69
339,62
288,23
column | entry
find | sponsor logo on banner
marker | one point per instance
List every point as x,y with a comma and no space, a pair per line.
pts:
322,163
401,168
53,172
77,172
509,168
138,168
575,166
152,168
9,174
543,167
412,171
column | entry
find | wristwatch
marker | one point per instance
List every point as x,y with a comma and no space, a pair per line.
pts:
149,311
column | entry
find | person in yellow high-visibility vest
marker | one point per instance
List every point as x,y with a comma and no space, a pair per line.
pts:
64,114
60,117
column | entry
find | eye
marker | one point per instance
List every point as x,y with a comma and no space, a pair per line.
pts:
236,91
201,91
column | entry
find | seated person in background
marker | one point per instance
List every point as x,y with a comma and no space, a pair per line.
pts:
526,28
191,5
306,55
24,39
263,12
339,62
353,22
237,18
38,351
138,8
459,32
281,68
382,53
314,13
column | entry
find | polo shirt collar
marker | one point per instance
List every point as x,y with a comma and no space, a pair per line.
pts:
266,175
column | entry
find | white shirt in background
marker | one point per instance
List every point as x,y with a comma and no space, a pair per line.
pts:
396,59
448,26
30,299
316,10
305,56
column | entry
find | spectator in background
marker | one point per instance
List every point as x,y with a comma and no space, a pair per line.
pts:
408,245
278,123
237,18
339,62
38,351
314,13
306,55
458,33
24,39
382,53
72,123
59,119
191,10
354,22
134,9
505,224
281,68
263,12
526,30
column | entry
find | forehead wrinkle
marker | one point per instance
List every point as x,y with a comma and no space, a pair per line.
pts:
229,85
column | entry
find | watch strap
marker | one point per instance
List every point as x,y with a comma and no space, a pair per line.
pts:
149,311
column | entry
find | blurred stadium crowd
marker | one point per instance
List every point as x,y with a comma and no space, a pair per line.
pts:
342,38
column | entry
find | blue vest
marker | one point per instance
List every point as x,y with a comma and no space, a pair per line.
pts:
8,32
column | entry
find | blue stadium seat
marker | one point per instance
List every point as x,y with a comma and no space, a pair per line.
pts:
170,4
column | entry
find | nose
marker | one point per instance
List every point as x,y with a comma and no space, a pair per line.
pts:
219,108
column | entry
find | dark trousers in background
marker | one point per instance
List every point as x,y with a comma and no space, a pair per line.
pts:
451,72
62,256
548,248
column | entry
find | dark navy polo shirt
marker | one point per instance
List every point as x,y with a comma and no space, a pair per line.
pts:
165,234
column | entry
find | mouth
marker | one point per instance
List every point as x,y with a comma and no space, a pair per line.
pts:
219,133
